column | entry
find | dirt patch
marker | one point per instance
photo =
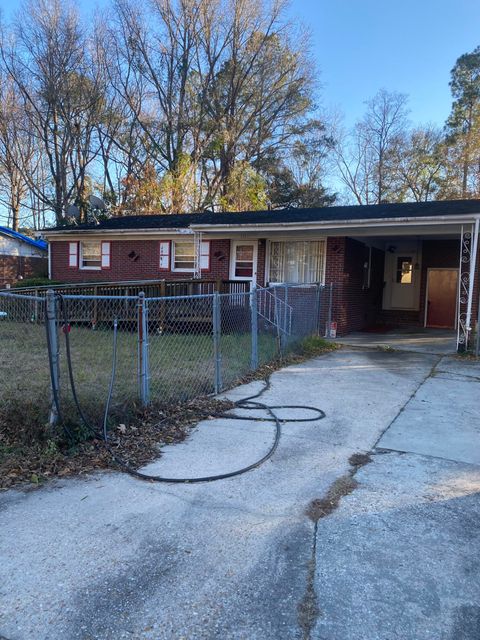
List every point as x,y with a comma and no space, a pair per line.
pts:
308,609
343,486
322,507
358,460
31,460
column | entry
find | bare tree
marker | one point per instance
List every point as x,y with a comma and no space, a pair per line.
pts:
366,157
219,82
47,58
419,160
15,147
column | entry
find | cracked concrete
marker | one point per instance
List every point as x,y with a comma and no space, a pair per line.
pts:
109,557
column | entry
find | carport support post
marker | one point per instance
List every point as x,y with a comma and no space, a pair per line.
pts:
217,322
254,324
143,380
477,339
51,320
473,264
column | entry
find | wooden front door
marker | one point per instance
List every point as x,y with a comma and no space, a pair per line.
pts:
442,298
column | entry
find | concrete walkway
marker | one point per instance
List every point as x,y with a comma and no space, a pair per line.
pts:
110,557
435,341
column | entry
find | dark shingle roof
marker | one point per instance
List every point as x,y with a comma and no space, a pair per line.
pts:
279,216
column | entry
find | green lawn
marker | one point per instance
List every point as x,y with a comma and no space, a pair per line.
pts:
181,366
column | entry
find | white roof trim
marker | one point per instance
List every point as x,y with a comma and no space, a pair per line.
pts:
338,224
262,226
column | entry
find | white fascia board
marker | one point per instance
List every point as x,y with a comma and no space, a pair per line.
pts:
115,234
338,224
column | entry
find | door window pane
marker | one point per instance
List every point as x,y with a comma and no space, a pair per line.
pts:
244,261
404,270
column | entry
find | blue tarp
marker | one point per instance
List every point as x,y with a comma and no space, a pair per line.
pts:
38,244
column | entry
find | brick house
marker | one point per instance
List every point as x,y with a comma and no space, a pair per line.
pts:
392,264
20,257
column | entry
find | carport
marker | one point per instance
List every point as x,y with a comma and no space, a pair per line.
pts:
422,276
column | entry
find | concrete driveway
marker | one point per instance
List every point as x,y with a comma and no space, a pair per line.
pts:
111,557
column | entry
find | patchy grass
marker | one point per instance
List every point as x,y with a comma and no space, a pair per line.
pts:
467,355
181,367
315,345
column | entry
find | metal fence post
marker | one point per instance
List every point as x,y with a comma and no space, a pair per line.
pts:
329,315
217,321
51,320
143,380
254,328
318,307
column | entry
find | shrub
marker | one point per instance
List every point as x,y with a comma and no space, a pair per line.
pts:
35,282
314,345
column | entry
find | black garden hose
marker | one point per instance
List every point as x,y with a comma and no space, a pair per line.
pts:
249,403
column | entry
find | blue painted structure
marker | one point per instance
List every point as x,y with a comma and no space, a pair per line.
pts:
38,244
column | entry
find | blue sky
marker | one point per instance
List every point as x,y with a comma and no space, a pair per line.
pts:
402,45
363,45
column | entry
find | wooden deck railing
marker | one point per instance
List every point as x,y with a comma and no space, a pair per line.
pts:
151,288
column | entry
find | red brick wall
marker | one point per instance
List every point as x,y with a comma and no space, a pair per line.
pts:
262,248
354,307
11,267
146,267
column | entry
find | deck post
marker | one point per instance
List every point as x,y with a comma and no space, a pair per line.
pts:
217,321
254,328
142,323
52,329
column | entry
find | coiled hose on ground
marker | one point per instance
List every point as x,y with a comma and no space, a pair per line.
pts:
249,403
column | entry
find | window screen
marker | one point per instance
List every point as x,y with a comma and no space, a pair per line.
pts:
298,261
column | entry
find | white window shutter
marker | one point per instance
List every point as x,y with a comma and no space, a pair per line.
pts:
164,255
105,255
205,256
73,254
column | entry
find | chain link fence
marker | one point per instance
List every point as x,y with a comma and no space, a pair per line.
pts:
168,349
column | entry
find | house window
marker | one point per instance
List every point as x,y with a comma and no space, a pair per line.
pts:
297,261
183,256
90,254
